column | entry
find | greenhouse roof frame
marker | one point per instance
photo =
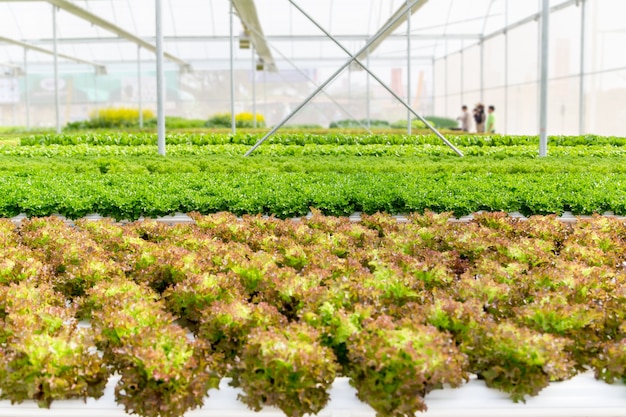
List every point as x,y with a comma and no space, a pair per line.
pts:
99,67
247,13
273,16
393,23
107,25
196,32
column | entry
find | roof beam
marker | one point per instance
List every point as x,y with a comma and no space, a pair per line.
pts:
111,27
269,39
14,69
532,17
246,10
396,20
99,67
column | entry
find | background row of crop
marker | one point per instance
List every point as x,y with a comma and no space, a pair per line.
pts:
310,138
118,175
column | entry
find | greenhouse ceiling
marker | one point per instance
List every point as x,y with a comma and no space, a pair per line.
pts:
197,32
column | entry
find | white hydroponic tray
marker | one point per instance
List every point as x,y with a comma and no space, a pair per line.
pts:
581,396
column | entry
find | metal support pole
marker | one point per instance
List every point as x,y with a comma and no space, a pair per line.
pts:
332,77
482,70
160,81
95,89
408,67
265,92
432,73
26,96
506,66
367,96
445,60
462,72
57,103
305,75
232,73
445,84
543,105
139,86
253,69
581,88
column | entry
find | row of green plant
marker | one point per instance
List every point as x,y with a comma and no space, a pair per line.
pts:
300,138
283,308
73,160
437,122
126,117
130,196
297,151
242,120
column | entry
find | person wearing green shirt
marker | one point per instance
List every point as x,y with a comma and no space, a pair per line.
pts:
491,120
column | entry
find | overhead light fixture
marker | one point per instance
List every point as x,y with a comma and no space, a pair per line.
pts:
185,69
101,70
244,39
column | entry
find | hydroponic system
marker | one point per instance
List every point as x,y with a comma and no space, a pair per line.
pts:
240,208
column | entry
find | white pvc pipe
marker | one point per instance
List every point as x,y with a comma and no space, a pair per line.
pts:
580,396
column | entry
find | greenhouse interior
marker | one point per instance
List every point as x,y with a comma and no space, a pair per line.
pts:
288,208
440,56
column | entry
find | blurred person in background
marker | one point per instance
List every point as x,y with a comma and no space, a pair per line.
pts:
479,117
491,120
464,118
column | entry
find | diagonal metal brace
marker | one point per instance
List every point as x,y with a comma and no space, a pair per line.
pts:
353,58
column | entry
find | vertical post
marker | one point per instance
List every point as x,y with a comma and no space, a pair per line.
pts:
232,73
26,97
95,89
445,99
445,86
57,103
139,86
543,105
581,88
482,69
432,74
506,66
160,81
367,95
462,72
408,67
253,69
265,93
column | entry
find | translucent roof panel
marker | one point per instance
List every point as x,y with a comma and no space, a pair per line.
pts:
198,30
